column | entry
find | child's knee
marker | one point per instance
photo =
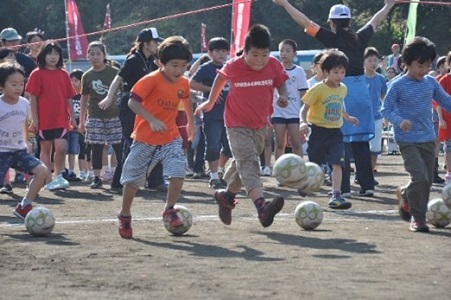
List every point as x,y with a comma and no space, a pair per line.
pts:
40,171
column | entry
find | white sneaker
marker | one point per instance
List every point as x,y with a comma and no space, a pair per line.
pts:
267,171
188,171
58,183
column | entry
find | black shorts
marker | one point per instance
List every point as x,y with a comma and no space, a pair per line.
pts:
326,144
53,134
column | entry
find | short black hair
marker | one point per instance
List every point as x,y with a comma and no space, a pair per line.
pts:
332,59
174,47
218,43
419,49
77,73
8,68
370,51
258,37
48,48
440,61
32,34
317,58
291,43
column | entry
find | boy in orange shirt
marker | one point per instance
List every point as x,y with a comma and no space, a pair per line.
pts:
155,99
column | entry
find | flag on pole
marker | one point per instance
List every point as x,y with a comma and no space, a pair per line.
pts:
241,15
107,22
203,38
411,21
78,43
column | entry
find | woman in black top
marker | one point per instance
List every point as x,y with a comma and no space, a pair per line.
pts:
140,62
357,102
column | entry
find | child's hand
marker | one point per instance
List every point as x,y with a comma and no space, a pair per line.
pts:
81,128
442,124
353,120
303,128
34,126
282,101
105,103
405,125
191,131
157,125
73,124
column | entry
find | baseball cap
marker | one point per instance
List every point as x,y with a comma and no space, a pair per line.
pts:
149,34
10,34
339,11
394,45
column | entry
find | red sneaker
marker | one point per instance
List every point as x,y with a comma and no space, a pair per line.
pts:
125,227
269,210
21,212
404,207
225,207
170,216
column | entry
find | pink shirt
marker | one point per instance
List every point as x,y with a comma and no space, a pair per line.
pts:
250,100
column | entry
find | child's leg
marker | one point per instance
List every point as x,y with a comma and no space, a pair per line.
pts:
174,189
128,194
295,138
46,151
38,181
280,133
60,155
448,160
337,172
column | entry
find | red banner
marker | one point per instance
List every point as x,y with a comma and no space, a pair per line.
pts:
241,17
78,43
203,38
107,22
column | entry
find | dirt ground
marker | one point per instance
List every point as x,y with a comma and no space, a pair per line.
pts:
366,252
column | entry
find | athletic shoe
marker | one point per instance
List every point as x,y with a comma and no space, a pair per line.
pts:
6,189
217,184
225,207
96,183
125,226
170,216
21,212
197,175
108,175
269,210
19,178
418,227
266,171
438,179
59,183
337,202
188,171
346,195
367,193
73,177
404,207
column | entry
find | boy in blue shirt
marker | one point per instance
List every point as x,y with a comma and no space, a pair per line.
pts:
217,146
408,106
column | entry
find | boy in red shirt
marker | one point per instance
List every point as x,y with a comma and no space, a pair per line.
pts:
155,99
246,116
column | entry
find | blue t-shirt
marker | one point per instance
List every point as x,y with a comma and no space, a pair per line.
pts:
377,88
206,74
411,99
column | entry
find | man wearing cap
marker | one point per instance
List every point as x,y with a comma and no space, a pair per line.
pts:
9,38
140,61
392,59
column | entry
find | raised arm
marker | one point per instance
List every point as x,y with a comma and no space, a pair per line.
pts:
295,14
380,16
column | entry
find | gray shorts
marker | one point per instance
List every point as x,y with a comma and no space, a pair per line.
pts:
143,158
103,131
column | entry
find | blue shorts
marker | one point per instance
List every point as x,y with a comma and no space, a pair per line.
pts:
216,141
19,160
143,158
277,120
73,142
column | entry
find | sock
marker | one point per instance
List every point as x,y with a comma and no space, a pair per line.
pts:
259,203
336,194
25,202
214,175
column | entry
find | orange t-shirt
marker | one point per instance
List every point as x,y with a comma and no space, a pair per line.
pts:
161,99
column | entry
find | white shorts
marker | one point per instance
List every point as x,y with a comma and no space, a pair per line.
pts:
376,142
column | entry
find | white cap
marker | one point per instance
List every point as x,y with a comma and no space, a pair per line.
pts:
339,11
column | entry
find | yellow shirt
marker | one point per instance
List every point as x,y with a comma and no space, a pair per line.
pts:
326,105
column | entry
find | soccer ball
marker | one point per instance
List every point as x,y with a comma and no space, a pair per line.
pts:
40,221
438,213
446,195
314,179
308,215
289,169
186,217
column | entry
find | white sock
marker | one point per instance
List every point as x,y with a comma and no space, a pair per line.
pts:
25,202
214,175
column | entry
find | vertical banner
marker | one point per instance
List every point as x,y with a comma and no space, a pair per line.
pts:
107,22
241,17
78,43
411,21
203,38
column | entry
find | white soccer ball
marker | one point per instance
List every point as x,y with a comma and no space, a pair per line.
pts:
308,215
40,221
446,195
438,213
186,217
314,179
289,169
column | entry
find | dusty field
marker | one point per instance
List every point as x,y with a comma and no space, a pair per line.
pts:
364,253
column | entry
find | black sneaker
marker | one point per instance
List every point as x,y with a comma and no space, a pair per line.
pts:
418,227
438,179
96,183
217,184
269,210
6,189
337,202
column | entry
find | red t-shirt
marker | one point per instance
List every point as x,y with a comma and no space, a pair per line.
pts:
445,133
250,100
52,89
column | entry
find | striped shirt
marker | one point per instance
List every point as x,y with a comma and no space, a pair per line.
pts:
410,99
